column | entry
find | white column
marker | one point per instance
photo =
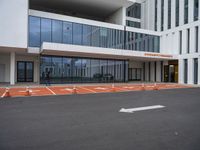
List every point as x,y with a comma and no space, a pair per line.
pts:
184,41
12,68
199,71
181,12
165,14
190,71
159,15
158,71
190,11
152,66
173,12
192,40
181,71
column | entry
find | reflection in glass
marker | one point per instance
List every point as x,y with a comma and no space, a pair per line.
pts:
67,32
77,33
45,30
57,31
34,31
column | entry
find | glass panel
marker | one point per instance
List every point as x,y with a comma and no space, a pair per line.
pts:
57,31
169,14
196,71
95,70
57,70
45,30
196,10
95,36
77,33
45,67
111,71
87,31
103,70
29,72
103,37
67,32
76,66
119,71
86,70
177,13
186,11
21,72
67,70
34,31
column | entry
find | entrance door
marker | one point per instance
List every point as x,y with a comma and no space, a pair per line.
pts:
134,74
24,71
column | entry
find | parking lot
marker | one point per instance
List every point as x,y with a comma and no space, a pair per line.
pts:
83,89
95,121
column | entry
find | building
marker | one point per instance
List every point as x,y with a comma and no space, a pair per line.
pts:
99,41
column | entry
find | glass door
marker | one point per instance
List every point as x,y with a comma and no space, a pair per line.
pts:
24,71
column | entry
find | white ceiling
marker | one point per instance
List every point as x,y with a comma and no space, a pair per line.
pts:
96,8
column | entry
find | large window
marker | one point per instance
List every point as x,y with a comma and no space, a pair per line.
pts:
162,15
180,42
185,71
76,70
56,31
188,40
134,11
197,39
177,13
196,71
196,10
34,33
156,15
169,14
45,30
185,11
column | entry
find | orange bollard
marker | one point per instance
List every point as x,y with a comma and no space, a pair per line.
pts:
28,93
74,91
143,87
155,87
7,93
113,88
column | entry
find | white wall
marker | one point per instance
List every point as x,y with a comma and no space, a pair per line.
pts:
13,23
118,17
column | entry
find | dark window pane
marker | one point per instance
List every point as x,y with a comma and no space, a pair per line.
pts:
95,36
87,33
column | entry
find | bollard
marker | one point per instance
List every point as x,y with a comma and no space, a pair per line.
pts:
7,93
143,87
155,87
74,91
28,93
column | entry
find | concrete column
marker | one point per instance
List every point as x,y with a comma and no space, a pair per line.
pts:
190,11
184,41
190,71
173,12
181,12
192,40
152,66
181,71
159,15
146,71
12,68
158,71
165,14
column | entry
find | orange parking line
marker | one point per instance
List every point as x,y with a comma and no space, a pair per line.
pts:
51,90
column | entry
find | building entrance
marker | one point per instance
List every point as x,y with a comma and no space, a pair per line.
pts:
171,72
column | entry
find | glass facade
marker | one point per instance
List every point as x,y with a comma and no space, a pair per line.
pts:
196,10
169,14
188,41
195,70
185,71
185,11
56,31
162,15
196,39
134,11
177,13
82,70
133,24
156,15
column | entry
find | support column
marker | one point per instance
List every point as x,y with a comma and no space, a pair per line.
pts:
12,68
181,71
190,71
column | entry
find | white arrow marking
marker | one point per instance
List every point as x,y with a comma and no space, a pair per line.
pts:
132,110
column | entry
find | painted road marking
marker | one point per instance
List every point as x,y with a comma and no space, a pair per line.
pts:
67,89
50,90
100,88
2,96
132,110
87,89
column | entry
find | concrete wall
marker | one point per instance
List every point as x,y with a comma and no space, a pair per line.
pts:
14,23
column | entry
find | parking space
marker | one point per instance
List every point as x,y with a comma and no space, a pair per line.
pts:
84,89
